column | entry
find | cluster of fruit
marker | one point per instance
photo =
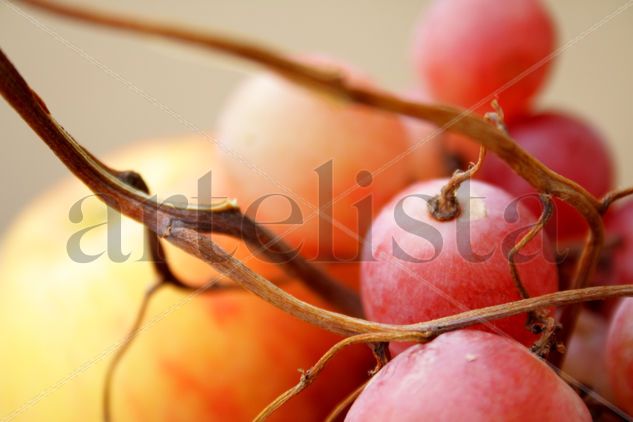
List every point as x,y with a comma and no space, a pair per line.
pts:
315,169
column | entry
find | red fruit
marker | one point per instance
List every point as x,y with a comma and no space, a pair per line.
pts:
467,50
467,375
585,357
570,147
416,268
620,224
425,143
620,355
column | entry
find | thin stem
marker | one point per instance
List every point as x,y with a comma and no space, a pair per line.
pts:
461,121
345,403
536,229
464,122
536,320
611,197
174,225
126,197
308,376
445,206
125,345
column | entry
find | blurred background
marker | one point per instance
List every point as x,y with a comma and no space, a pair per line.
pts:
109,89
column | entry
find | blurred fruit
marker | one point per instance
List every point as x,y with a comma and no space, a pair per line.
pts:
619,355
620,226
570,147
428,159
212,356
282,139
467,50
585,359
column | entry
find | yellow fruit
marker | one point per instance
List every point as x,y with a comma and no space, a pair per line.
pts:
215,356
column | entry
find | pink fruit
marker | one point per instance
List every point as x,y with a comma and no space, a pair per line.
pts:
282,139
620,355
425,143
620,224
585,357
467,50
467,375
570,147
416,268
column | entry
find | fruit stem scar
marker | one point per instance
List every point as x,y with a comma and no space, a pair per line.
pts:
445,206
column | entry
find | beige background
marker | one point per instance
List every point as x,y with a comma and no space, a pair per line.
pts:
109,89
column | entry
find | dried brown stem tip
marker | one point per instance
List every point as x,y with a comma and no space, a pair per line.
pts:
445,206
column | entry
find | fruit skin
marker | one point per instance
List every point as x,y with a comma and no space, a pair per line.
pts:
427,159
467,375
585,356
619,355
397,290
210,357
569,146
288,131
465,50
620,223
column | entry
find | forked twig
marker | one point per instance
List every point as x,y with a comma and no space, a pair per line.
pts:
308,376
183,233
183,226
535,230
464,122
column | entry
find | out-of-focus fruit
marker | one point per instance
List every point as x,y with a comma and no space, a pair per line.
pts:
428,160
417,268
283,139
570,147
585,357
620,225
467,50
212,356
467,375
619,355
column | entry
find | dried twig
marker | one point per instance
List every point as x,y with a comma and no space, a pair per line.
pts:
184,226
464,122
183,233
444,206
308,376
